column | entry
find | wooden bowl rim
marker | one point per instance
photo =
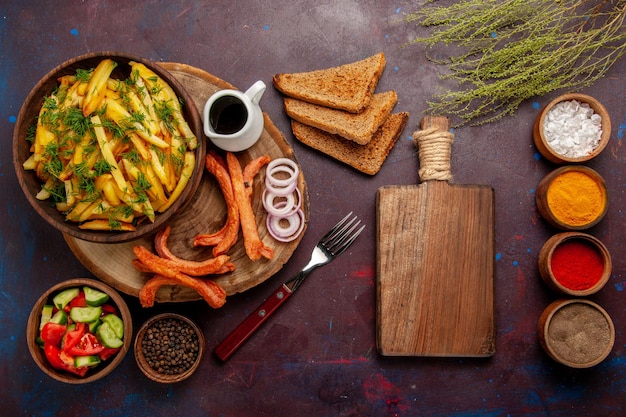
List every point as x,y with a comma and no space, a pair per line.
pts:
192,116
548,152
32,329
544,208
548,315
142,362
545,257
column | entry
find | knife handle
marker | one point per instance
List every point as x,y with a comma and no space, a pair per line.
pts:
247,327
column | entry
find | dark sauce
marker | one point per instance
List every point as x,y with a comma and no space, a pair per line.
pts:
228,115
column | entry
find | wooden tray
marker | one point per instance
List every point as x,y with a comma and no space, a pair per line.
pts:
205,213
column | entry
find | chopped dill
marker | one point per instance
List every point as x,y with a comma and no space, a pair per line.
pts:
57,192
132,79
125,211
88,185
142,185
133,156
116,130
30,133
137,117
165,112
178,162
83,74
115,224
76,121
80,170
102,167
50,116
54,165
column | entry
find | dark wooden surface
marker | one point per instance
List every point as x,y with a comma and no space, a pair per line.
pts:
317,355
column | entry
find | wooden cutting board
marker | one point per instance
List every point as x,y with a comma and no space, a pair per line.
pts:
435,259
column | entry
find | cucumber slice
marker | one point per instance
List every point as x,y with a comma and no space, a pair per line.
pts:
116,324
93,326
85,314
60,317
46,315
94,297
82,361
107,336
64,297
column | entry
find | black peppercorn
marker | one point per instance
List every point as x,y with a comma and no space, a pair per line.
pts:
170,346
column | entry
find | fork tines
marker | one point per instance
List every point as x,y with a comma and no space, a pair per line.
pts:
342,235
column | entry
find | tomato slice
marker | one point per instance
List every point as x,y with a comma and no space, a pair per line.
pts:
52,333
72,337
108,352
87,345
79,300
108,308
53,355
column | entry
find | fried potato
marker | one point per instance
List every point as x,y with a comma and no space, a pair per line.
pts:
131,131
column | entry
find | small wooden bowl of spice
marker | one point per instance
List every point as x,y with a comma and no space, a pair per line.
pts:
575,264
572,197
572,128
169,348
577,333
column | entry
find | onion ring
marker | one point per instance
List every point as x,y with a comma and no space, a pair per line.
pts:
282,200
281,165
281,208
289,233
288,189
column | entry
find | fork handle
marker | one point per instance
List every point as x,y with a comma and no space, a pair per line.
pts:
247,327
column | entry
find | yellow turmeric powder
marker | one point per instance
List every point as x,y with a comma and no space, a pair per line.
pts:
575,198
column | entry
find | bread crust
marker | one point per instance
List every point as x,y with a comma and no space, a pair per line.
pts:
357,127
365,158
347,87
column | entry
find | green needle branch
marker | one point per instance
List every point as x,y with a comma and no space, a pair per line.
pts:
506,52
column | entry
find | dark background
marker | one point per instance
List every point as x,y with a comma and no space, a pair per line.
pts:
317,356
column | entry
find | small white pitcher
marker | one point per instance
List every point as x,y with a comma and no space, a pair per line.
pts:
233,120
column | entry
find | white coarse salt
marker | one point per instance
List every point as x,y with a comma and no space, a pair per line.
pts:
572,129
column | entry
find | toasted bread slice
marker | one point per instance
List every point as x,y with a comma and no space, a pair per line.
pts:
347,87
357,127
365,158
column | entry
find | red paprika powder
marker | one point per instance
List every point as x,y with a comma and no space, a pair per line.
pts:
576,264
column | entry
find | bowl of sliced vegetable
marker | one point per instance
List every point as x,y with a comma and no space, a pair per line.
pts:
107,147
79,331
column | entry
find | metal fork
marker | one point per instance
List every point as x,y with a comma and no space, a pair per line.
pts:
333,244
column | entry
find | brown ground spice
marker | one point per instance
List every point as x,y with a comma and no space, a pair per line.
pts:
579,333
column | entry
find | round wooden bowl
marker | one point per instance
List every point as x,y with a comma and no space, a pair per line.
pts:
27,117
547,212
145,366
103,369
544,147
577,333
545,263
